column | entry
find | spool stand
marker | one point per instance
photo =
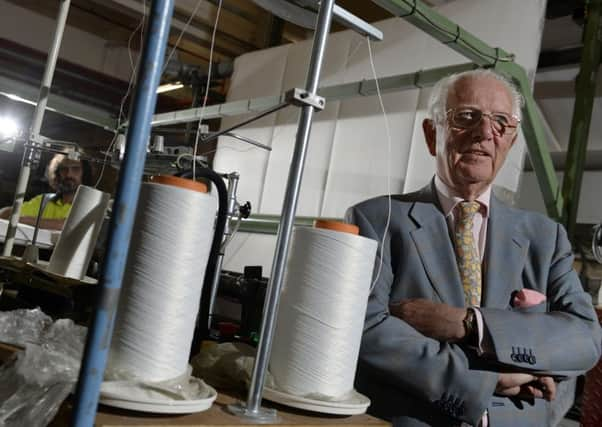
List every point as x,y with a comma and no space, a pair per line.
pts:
309,101
126,199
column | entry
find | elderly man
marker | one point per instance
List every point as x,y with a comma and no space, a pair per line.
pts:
476,310
64,176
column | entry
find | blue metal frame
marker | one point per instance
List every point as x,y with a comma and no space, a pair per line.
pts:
124,209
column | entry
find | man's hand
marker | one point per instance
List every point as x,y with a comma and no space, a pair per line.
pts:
526,386
542,388
441,322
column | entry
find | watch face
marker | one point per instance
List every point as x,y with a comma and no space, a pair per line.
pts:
469,323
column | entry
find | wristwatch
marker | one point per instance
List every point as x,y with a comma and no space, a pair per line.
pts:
470,327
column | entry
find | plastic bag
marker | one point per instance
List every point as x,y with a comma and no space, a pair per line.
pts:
34,385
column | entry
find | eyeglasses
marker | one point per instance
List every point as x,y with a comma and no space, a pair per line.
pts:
468,118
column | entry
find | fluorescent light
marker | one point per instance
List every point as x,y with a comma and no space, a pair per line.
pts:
8,127
167,87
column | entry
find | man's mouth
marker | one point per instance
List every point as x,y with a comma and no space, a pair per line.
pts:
476,153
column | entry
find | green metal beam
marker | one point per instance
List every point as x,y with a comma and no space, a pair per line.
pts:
418,79
449,33
585,91
268,224
535,137
423,78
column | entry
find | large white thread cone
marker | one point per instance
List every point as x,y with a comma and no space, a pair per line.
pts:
162,283
321,312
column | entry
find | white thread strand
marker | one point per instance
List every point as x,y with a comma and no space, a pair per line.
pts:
388,132
321,313
162,284
200,122
134,68
179,39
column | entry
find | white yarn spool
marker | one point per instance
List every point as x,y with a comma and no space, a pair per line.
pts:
75,246
162,283
321,313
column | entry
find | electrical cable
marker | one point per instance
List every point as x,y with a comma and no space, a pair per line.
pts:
389,147
182,156
220,224
198,129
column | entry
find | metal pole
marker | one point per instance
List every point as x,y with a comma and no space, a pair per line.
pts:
36,124
288,211
585,91
100,333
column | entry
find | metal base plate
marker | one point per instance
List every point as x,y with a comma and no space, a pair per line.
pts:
261,416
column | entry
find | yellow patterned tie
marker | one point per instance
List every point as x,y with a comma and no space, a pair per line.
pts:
469,262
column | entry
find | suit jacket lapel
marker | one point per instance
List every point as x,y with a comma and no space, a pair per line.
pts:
504,257
435,247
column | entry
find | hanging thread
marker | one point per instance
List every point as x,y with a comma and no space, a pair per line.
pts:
162,282
321,313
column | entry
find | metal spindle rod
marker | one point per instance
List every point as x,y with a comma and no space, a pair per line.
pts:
36,125
122,221
288,211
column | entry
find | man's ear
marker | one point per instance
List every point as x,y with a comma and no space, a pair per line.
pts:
430,135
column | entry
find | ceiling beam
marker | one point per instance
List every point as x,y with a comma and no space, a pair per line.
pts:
197,31
22,92
230,24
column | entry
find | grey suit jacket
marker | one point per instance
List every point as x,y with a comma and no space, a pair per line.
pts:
417,381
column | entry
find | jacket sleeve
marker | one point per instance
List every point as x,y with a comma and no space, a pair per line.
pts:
434,372
563,340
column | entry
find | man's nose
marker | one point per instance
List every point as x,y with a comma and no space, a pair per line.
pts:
70,173
483,130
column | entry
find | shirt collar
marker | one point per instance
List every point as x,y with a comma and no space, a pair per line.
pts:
449,200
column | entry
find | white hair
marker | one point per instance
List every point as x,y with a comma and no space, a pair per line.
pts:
437,106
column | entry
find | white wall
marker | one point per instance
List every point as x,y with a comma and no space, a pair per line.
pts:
349,152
